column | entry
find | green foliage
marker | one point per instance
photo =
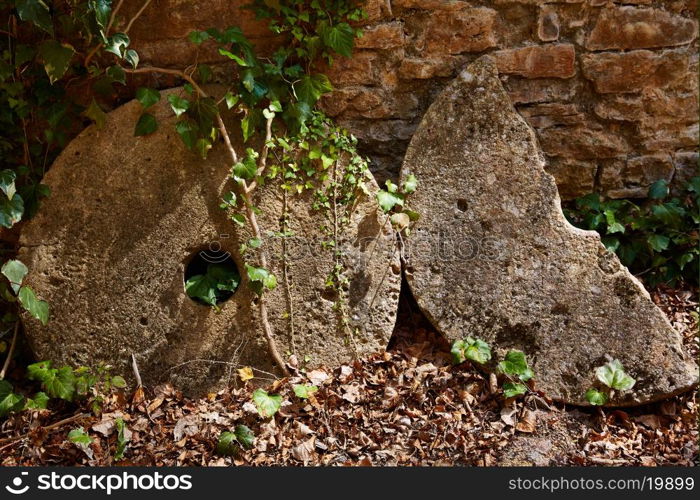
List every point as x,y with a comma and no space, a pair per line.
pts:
57,382
393,200
596,397
471,349
80,437
656,238
260,279
56,57
39,309
15,271
37,12
123,438
229,443
212,287
515,365
9,401
613,375
147,97
146,124
513,389
304,391
267,404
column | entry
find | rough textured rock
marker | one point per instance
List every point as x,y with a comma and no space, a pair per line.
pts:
126,215
493,256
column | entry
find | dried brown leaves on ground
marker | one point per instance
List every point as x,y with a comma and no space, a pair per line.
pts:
408,406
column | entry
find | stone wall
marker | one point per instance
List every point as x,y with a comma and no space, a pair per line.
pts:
610,86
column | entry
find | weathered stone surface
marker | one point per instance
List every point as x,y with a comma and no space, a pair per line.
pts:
548,25
383,36
686,165
633,71
583,142
126,214
524,91
634,28
455,31
632,178
422,69
493,256
552,114
546,61
574,178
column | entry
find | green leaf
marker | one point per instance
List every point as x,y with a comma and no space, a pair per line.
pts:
267,404
116,74
187,131
40,371
147,124
123,438
388,201
56,57
244,436
239,60
658,190
117,43
311,87
340,38
658,242
39,309
246,168
227,444
410,184
260,278
118,382
132,57
198,37
62,384
79,436
7,183
231,99
511,389
95,113
14,271
102,10
40,401
515,364
470,349
37,12
303,391
11,210
9,401
595,397
208,287
147,96
178,104
613,375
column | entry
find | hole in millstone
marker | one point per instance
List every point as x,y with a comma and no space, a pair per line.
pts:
143,321
211,277
462,205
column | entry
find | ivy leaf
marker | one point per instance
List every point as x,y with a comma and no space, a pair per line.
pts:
515,364
7,183
118,382
260,278
147,124
207,287
40,401
178,104
231,99
11,210
511,389
132,57
198,37
9,401
102,10
39,309
187,131
267,404
14,271
95,113
470,348
79,436
387,200
595,397
117,43
239,60
247,168
658,242
311,88
410,184
658,190
244,436
62,384
227,445
123,438
37,12
56,57
613,375
147,96
340,38
116,74
304,391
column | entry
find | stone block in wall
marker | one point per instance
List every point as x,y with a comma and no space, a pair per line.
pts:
574,178
423,69
651,107
685,167
628,27
538,61
584,142
668,137
633,71
382,36
631,178
360,69
548,25
467,29
541,116
525,91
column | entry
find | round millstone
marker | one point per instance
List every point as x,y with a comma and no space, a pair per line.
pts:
110,247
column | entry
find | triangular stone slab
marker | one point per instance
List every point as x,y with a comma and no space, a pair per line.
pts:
109,247
493,256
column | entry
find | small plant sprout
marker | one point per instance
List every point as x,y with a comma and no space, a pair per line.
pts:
517,371
471,349
613,376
